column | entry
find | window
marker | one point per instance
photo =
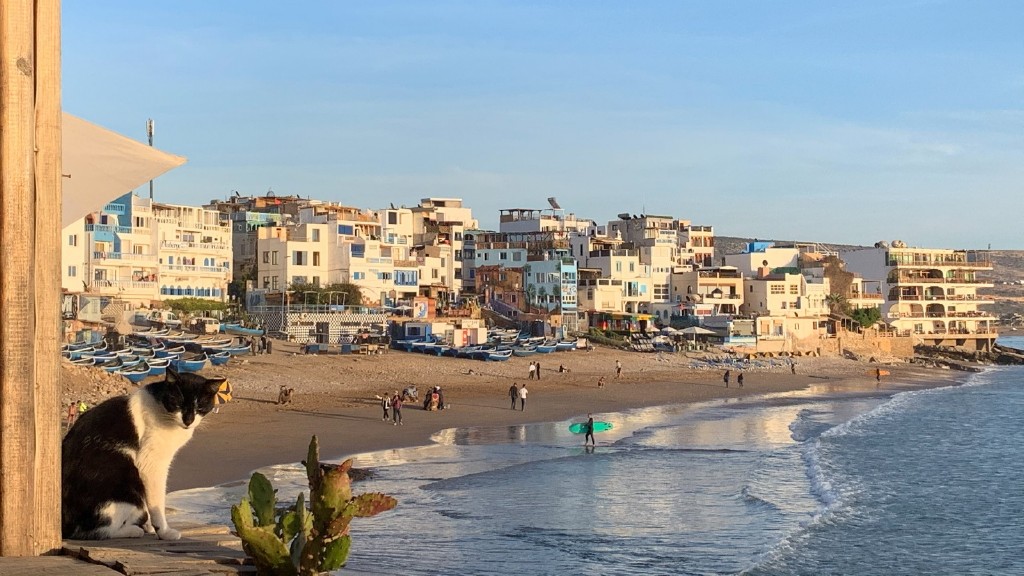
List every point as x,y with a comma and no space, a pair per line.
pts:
273,257
618,266
73,240
266,282
72,271
503,256
266,257
794,289
517,257
316,280
298,280
299,258
316,258
776,289
631,267
274,283
316,234
392,217
358,275
433,273
384,275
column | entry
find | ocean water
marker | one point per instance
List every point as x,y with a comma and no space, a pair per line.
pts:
891,480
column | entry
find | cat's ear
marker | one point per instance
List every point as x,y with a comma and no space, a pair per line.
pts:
171,375
215,383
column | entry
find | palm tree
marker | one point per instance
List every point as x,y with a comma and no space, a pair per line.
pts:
837,303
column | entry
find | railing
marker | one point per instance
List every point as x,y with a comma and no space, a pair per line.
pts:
190,268
106,285
975,315
124,256
108,228
910,280
940,262
931,298
114,208
867,297
181,245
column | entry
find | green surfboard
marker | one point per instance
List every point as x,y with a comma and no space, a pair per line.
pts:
581,427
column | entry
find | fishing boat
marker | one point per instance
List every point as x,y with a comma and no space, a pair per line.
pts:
524,351
136,373
499,355
158,366
546,347
240,330
170,352
234,350
219,359
565,345
191,363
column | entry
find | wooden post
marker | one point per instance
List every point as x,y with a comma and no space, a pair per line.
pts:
30,223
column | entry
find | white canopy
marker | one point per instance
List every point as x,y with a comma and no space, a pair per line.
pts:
697,330
99,165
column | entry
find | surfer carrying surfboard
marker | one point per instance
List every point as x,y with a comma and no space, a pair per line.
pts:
590,431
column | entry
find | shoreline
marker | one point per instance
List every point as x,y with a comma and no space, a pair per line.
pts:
253,432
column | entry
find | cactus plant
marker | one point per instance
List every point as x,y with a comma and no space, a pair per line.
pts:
298,541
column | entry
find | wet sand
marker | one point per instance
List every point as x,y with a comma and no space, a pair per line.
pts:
334,398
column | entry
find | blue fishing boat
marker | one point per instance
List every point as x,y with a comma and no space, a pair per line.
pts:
499,355
546,348
174,352
136,373
234,350
239,330
158,366
523,351
191,363
219,359
565,345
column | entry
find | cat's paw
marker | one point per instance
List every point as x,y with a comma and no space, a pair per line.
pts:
167,533
127,531
148,528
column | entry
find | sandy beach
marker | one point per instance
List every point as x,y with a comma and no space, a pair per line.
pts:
334,398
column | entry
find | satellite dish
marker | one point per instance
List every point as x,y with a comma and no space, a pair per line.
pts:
554,203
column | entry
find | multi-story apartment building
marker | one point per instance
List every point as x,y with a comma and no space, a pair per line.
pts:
790,310
930,292
705,293
443,222
141,251
552,220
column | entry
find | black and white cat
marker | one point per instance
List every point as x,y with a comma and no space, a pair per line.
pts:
117,455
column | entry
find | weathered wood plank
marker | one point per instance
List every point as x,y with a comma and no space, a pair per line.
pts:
52,565
46,263
17,221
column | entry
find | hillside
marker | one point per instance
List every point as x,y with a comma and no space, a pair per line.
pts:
1007,272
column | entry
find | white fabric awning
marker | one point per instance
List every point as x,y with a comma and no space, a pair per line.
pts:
100,165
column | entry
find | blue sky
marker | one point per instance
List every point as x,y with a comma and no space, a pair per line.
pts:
836,122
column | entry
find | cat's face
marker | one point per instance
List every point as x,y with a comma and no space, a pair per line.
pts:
187,397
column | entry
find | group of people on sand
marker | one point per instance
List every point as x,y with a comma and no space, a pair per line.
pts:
259,345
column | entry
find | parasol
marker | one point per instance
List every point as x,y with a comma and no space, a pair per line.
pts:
223,393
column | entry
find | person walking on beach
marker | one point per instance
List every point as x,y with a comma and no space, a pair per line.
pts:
618,369
385,403
396,409
739,379
792,367
522,397
878,374
533,370
270,345
513,393
536,365
590,431
725,378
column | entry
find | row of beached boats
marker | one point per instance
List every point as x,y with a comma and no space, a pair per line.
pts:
151,352
501,345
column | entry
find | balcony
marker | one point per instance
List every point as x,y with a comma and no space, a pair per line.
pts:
181,245
190,268
117,286
150,258
108,228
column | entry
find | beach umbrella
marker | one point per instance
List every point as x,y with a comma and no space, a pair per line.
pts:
668,331
223,393
695,330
